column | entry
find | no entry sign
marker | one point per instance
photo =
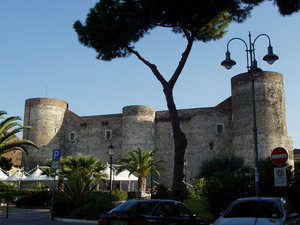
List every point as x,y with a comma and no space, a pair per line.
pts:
279,156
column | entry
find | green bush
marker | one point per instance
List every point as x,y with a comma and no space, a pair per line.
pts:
224,187
89,207
7,186
35,198
132,195
293,193
118,195
63,206
195,191
266,179
223,180
162,192
8,192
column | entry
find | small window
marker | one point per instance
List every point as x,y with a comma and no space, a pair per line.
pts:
72,136
219,128
108,134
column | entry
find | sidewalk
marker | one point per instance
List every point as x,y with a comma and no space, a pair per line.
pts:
12,208
34,216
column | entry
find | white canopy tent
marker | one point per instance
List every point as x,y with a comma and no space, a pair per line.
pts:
37,175
17,176
122,177
3,176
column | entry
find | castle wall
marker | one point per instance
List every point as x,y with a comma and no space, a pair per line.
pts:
225,129
200,127
270,114
46,117
87,135
138,127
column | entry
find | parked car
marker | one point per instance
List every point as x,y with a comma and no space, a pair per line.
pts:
149,212
258,211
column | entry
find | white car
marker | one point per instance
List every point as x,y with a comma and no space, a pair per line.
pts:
259,211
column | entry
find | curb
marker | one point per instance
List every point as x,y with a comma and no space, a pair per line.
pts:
75,220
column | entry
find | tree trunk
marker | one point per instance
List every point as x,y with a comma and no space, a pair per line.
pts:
180,144
180,141
142,184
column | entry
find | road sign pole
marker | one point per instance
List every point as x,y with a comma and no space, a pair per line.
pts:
53,192
55,166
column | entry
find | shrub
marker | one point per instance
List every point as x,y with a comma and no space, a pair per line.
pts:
293,193
266,179
77,186
132,195
63,206
92,206
162,192
118,195
89,207
224,187
225,179
6,186
35,198
195,191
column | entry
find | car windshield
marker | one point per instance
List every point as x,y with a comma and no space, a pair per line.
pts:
261,209
134,207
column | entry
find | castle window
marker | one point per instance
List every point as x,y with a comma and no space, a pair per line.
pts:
108,134
72,136
219,128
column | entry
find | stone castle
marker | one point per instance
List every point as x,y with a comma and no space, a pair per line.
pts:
226,129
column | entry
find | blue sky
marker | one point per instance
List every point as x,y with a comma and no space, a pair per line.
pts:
40,56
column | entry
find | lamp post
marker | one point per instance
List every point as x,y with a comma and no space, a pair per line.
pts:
110,153
254,71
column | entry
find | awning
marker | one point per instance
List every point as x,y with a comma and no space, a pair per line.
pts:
37,175
3,176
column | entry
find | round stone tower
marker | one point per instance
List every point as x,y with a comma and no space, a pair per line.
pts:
138,128
46,116
270,115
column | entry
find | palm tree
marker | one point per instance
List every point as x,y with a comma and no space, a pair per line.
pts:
140,162
9,127
77,186
88,165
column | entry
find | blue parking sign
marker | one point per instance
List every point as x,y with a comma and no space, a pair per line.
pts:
56,155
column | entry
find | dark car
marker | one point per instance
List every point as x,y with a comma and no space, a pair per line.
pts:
258,211
151,211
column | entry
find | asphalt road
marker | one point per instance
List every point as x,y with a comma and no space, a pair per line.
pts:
37,217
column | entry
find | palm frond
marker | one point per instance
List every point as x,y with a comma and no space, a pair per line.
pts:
140,162
9,127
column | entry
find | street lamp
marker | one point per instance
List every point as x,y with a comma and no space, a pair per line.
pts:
254,71
110,153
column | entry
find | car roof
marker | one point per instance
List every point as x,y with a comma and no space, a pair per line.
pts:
152,200
259,198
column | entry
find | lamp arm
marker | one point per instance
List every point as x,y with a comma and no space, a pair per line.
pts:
255,41
247,50
260,36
